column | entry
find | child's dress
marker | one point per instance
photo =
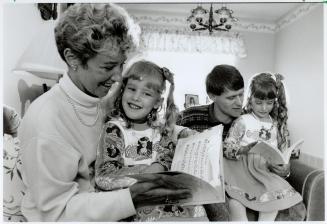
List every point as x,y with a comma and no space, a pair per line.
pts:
124,151
247,178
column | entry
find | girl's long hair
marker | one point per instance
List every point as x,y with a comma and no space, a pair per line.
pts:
264,86
146,67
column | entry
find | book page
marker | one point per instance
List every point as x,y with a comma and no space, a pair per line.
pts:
269,152
297,145
199,155
274,155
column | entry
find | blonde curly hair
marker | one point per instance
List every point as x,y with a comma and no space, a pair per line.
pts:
88,29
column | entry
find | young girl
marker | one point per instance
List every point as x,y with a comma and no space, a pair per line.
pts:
142,139
248,179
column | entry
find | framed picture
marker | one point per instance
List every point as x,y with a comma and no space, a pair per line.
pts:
191,100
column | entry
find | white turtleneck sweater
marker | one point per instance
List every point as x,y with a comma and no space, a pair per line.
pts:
57,149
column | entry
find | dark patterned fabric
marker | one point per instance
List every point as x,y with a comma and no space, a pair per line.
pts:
200,118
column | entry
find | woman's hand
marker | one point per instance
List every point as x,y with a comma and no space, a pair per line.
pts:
156,188
154,168
282,170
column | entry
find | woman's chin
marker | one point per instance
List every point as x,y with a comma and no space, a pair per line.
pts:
101,93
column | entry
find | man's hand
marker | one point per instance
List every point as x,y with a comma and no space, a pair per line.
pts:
186,133
282,170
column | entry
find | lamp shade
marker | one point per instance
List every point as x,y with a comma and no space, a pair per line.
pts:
41,57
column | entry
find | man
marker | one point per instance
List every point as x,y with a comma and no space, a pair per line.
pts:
225,87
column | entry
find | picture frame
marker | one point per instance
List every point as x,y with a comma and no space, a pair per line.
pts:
191,100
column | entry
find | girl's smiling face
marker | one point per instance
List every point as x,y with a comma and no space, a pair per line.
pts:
141,95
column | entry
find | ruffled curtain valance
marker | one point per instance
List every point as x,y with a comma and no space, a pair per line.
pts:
182,40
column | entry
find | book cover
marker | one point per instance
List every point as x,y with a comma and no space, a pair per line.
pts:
273,154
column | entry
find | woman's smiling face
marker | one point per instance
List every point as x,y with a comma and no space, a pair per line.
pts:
100,72
141,95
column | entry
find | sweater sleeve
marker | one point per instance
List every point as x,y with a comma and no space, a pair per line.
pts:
51,168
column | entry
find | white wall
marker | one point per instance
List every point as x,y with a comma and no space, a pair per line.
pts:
21,23
299,57
260,54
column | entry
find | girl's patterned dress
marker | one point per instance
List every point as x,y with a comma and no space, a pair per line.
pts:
247,178
124,151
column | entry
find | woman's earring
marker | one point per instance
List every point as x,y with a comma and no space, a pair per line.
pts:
74,67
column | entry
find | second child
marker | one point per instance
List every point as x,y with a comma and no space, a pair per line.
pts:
248,177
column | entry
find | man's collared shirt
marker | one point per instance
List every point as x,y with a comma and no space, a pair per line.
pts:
200,118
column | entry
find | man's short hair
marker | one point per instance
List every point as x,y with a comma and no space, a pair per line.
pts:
223,77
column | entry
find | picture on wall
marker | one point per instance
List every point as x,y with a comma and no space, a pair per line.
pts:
191,100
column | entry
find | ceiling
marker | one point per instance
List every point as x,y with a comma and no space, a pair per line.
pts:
250,12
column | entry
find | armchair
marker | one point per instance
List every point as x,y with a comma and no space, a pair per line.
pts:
308,181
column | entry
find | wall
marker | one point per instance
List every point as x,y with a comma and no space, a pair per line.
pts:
299,56
21,24
260,54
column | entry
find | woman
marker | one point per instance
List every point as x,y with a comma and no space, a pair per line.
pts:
60,131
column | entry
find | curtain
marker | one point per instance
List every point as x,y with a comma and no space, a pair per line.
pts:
160,38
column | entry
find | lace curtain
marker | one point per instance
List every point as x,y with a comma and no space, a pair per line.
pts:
182,40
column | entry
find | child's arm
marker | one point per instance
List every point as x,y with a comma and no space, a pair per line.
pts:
232,148
110,172
165,156
163,161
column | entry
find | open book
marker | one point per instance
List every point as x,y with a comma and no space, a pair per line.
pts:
197,166
274,155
